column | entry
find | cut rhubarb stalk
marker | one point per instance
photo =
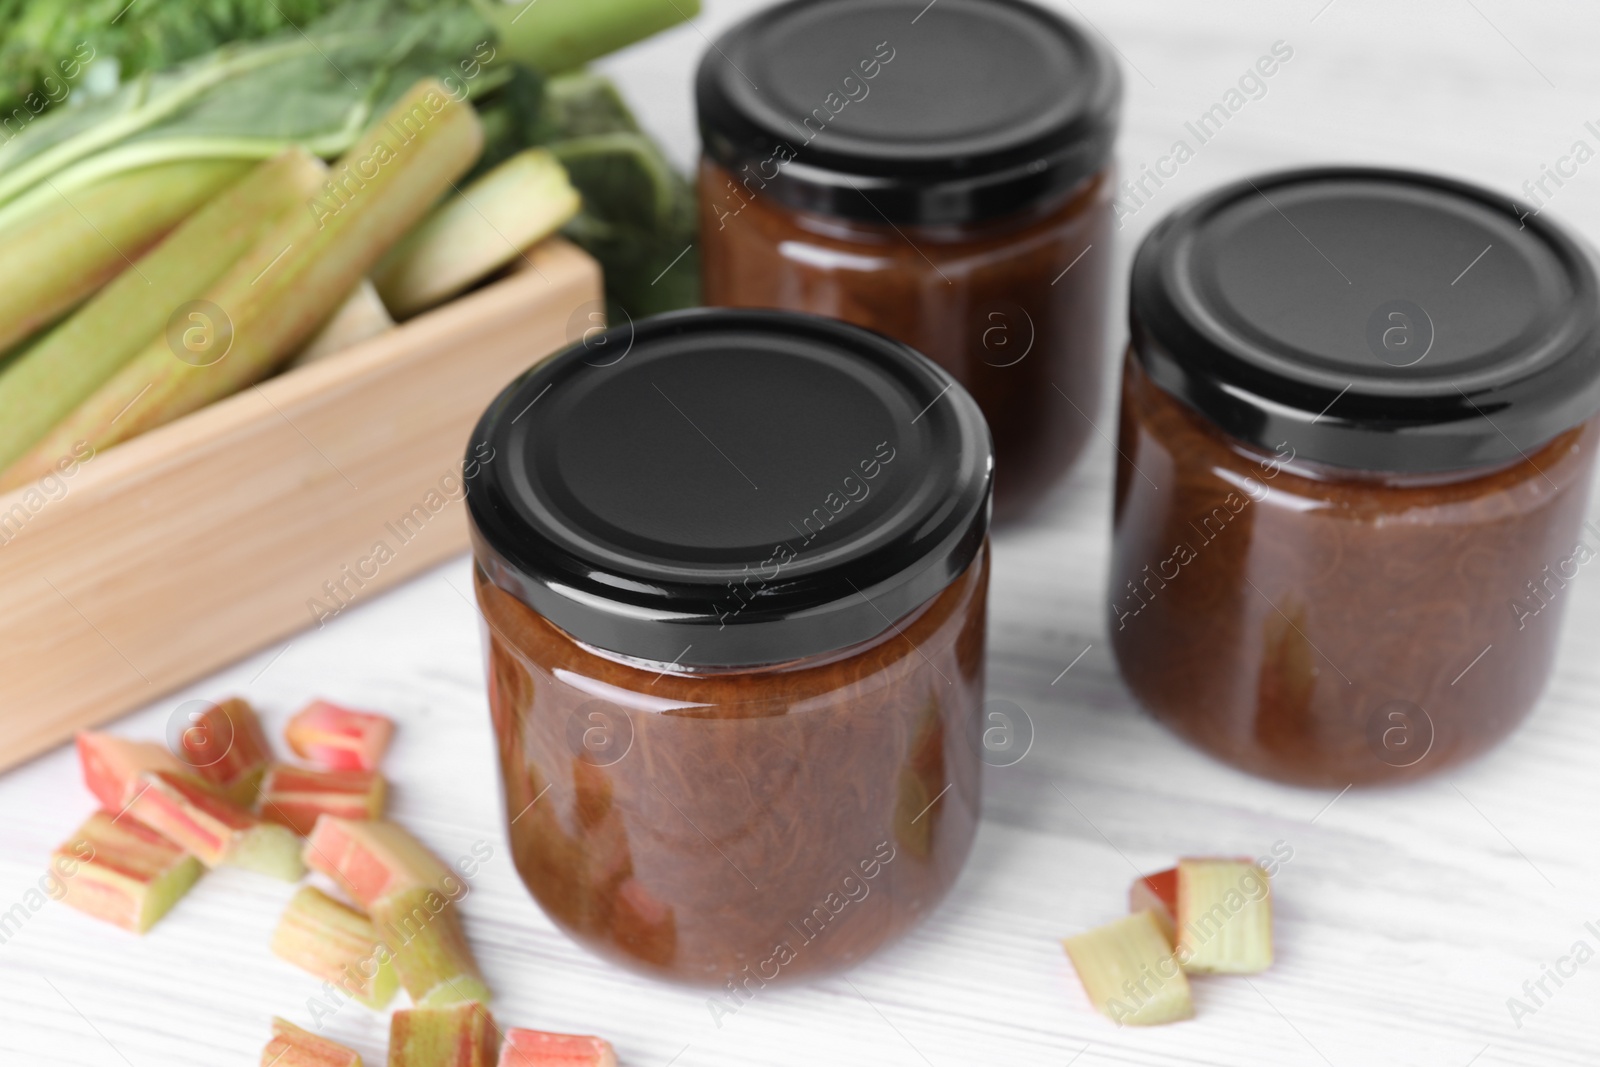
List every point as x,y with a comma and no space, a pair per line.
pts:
112,766
337,944
202,821
226,746
409,892
1158,894
293,1047
1224,917
462,1035
535,1048
1129,972
430,950
338,738
295,796
373,859
122,872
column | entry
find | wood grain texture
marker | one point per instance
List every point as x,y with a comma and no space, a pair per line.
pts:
1405,919
161,560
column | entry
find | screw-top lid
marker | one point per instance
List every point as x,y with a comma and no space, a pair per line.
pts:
908,111
1372,319
729,488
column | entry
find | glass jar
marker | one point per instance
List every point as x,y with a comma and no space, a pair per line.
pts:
1357,433
733,584
937,174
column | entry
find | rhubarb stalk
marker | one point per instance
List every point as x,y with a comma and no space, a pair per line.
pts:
476,232
79,239
68,364
274,298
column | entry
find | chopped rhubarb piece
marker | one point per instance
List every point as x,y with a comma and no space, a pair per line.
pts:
430,950
373,859
225,745
112,766
1158,894
269,849
1224,917
295,796
337,944
338,738
122,872
206,823
462,1035
1128,970
293,1047
535,1048
410,894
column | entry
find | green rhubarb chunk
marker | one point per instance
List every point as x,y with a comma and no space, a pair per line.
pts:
430,950
269,849
1224,917
337,944
1129,972
461,1035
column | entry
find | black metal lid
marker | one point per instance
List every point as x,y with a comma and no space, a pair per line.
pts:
904,110
729,488
1373,319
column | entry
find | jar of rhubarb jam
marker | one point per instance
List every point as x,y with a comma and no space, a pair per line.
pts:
936,172
733,567
1358,427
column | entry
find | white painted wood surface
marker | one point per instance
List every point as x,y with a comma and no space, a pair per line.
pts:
1405,919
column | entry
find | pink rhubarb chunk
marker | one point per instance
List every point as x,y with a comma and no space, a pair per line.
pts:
226,746
204,822
293,1047
536,1048
112,766
295,796
124,873
1158,894
372,860
337,738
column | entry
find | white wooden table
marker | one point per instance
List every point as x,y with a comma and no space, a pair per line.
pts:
1406,918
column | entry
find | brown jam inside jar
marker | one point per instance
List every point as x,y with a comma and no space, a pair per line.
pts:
767,822
734,592
947,184
1345,518
1257,589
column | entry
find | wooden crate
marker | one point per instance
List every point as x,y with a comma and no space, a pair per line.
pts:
163,559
